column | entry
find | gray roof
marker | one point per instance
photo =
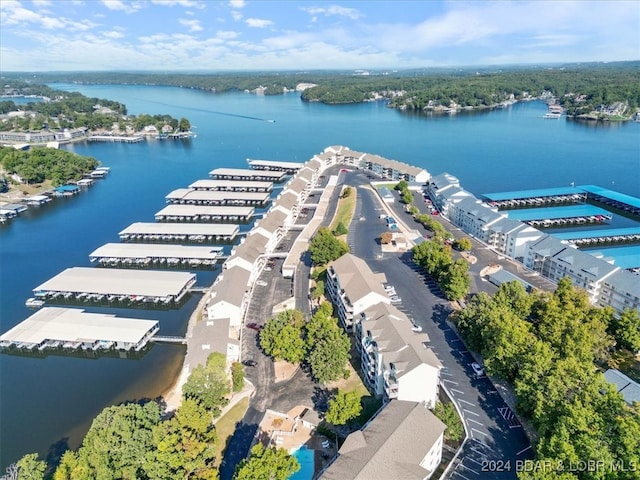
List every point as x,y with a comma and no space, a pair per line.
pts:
286,199
306,174
298,185
216,335
548,246
391,446
192,210
75,325
357,279
272,221
444,180
166,228
189,194
247,173
232,286
208,183
629,389
398,343
625,281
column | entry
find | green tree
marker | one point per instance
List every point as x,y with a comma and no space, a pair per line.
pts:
281,336
447,413
340,230
401,185
455,281
345,406
407,197
318,291
463,244
184,445
267,464
324,247
184,125
625,329
209,384
237,376
346,192
30,468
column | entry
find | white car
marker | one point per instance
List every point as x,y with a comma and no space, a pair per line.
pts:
390,288
395,299
416,328
267,269
261,283
477,369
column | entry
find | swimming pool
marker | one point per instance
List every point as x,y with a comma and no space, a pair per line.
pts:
305,457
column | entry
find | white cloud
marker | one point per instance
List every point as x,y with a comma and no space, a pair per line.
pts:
192,25
237,3
127,7
237,16
115,34
258,22
227,34
13,13
42,3
334,10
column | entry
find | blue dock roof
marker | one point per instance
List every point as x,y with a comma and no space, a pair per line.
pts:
597,233
552,213
624,257
540,192
67,188
615,196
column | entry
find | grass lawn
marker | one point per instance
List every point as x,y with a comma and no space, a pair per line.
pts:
226,425
345,210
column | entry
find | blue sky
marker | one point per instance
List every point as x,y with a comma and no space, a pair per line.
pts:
187,35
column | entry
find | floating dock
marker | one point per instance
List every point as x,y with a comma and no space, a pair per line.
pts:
82,284
115,138
155,254
189,196
608,197
197,213
180,232
279,166
560,216
37,200
536,197
602,236
71,328
247,174
231,186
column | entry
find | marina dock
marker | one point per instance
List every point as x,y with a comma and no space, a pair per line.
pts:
71,329
180,232
82,284
247,174
189,196
198,213
289,167
560,216
536,197
231,186
613,199
142,255
115,138
585,238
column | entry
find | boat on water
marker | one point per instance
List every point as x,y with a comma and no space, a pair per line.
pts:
552,115
34,302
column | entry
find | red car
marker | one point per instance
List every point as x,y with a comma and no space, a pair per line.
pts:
254,326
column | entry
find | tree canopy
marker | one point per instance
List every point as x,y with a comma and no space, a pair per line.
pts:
325,247
343,407
209,384
267,464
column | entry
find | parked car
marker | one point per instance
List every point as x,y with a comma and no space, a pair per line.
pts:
395,299
261,283
267,269
254,326
477,369
249,363
416,328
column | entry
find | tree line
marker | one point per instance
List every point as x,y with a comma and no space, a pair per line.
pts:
551,348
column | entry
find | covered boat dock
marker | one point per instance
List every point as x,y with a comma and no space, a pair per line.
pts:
189,196
247,174
560,216
200,213
37,200
180,232
231,186
275,165
536,197
155,254
86,284
608,197
601,236
72,328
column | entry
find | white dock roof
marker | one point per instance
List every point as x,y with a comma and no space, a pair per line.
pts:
192,210
155,250
188,194
76,325
275,164
107,281
247,172
230,184
163,228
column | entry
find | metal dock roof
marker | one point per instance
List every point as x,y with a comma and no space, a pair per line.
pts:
624,257
76,325
203,210
598,233
274,165
155,250
246,174
536,193
163,228
105,281
612,195
189,195
231,185
572,211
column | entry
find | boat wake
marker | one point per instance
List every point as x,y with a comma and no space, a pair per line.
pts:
217,112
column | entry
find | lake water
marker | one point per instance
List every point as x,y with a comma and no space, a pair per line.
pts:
51,401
